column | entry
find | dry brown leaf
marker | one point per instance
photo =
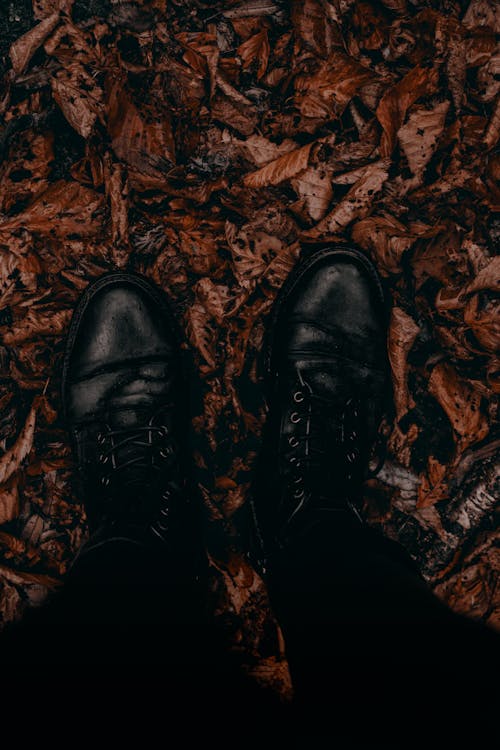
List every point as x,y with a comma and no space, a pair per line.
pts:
201,333
327,93
484,322
78,96
9,501
251,8
283,168
311,26
433,487
315,187
237,114
461,404
261,150
402,334
400,443
25,47
493,130
357,203
256,49
117,193
44,8
420,135
12,459
395,103
482,13
251,252
488,278
37,323
65,208
146,146
386,239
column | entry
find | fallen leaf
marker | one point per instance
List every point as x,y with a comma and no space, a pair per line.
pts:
327,92
312,27
202,334
357,202
402,334
9,501
314,185
256,49
64,208
420,135
433,487
484,322
386,238
283,168
261,150
252,8
147,146
25,47
461,404
12,459
395,103
78,96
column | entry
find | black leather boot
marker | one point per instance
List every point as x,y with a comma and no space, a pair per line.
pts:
126,404
326,371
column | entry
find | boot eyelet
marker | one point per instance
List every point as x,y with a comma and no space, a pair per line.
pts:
292,441
105,481
298,397
164,452
298,480
295,417
103,459
298,494
165,512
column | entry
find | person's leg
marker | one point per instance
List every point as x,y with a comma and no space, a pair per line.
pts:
126,403
365,637
128,634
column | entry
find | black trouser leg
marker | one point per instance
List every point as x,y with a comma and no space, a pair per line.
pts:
369,645
131,624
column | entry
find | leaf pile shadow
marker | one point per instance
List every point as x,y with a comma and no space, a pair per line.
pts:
207,145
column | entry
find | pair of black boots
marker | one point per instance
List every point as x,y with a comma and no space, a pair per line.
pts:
127,403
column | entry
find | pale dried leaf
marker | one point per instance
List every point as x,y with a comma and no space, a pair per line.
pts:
315,187
283,168
420,135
